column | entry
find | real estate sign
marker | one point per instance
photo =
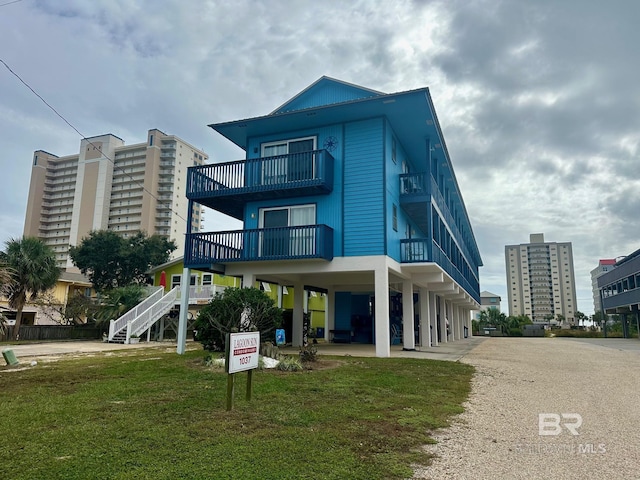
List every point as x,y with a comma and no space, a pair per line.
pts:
244,351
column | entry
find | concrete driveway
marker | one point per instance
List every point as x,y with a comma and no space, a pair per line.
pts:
53,351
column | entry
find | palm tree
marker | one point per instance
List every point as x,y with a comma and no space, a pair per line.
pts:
33,270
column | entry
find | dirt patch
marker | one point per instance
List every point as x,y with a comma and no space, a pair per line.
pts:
322,364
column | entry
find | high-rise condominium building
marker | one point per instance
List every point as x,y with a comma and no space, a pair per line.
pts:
110,185
540,280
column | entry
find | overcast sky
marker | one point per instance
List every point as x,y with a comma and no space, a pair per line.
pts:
539,101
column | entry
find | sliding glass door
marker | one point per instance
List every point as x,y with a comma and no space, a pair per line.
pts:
278,239
288,161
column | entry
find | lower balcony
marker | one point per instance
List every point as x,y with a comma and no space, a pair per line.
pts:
284,243
417,250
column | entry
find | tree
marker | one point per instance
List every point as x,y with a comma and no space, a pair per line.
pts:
599,318
580,317
239,309
111,261
119,301
78,310
33,271
5,277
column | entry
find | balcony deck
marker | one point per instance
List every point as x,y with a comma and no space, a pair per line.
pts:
287,243
417,250
228,187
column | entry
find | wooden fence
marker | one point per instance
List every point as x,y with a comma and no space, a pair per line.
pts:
52,332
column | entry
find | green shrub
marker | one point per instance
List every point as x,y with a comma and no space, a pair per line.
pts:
289,364
579,333
515,332
226,310
308,354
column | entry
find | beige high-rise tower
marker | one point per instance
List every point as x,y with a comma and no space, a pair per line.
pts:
110,185
540,280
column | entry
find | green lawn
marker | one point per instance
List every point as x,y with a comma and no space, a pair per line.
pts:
152,415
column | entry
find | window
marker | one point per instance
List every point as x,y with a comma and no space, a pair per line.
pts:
288,160
207,279
395,218
176,280
393,150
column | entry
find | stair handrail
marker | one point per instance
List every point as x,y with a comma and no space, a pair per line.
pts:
152,314
116,325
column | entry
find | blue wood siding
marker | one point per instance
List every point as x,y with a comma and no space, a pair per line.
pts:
325,92
363,188
343,311
328,207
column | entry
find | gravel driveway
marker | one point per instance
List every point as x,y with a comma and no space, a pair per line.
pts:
518,379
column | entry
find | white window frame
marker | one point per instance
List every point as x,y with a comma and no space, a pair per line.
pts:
176,280
298,243
279,162
288,208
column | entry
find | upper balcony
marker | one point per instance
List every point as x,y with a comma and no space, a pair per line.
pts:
284,243
415,198
228,187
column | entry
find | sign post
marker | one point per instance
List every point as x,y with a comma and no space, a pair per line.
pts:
242,353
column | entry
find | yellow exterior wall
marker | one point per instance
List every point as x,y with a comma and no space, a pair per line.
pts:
178,268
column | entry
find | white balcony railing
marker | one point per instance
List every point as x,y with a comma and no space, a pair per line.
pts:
116,325
151,315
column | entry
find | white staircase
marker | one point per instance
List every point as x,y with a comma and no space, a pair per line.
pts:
142,317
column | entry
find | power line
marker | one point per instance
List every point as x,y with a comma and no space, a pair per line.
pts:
9,3
85,138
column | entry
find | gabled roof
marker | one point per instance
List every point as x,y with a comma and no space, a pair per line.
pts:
71,277
168,264
325,91
486,294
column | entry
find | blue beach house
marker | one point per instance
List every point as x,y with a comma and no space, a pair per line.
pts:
349,193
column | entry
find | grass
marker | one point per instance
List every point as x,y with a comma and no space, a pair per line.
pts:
151,415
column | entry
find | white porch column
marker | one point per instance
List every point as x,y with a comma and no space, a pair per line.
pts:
408,315
433,319
298,312
452,321
381,279
248,280
458,335
425,338
466,315
443,323
279,290
184,311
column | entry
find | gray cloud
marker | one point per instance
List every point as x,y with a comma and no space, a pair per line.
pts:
539,101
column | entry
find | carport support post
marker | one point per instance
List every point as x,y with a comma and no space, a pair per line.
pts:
408,334
184,310
433,319
381,280
425,337
443,322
